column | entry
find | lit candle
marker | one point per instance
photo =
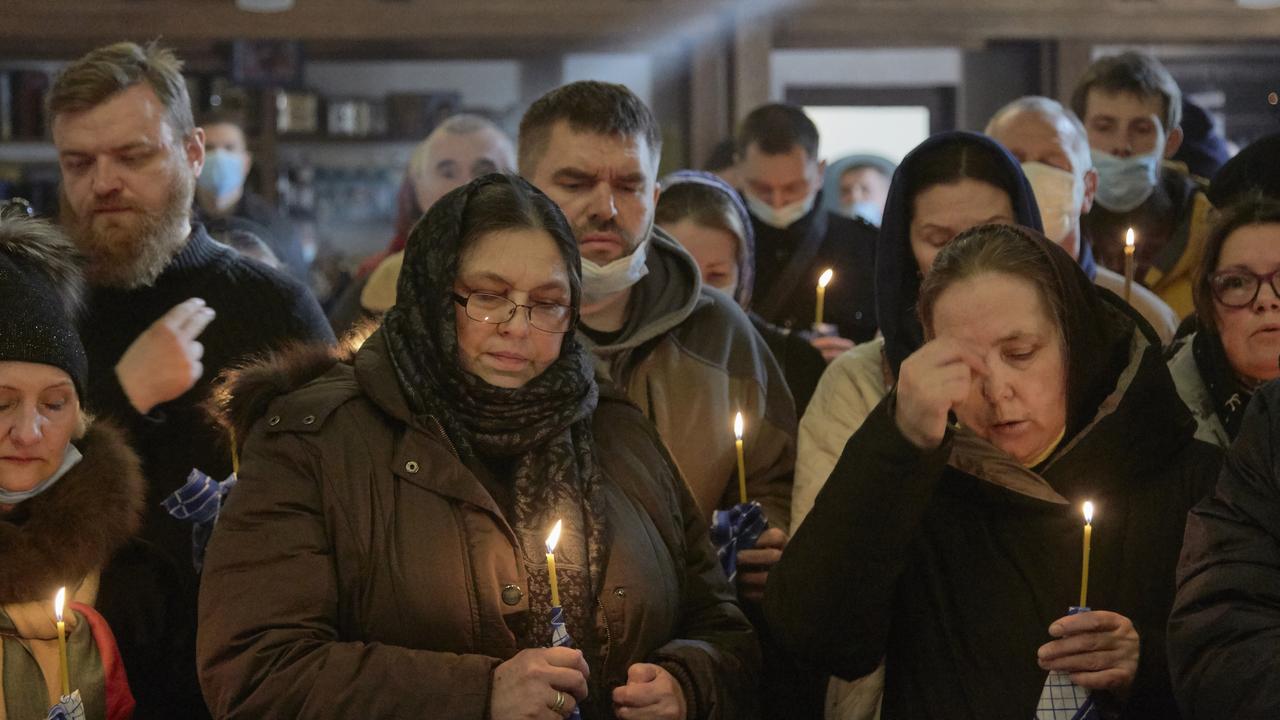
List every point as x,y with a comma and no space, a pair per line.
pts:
58,602
823,281
1129,241
552,539
1084,567
742,463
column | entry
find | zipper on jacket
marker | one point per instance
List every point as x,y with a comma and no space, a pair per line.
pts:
603,684
445,435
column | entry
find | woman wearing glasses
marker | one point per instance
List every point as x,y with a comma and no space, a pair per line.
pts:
383,554
1237,345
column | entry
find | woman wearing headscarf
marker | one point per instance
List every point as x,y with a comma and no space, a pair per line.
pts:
948,535
950,183
707,216
71,492
392,511
1235,347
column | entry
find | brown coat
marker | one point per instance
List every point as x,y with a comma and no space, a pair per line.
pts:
359,569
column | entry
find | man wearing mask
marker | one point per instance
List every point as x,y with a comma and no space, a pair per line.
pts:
1053,147
224,205
797,238
864,186
167,310
1131,107
685,354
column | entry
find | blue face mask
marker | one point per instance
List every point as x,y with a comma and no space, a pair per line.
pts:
1125,183
223,172
868,211
70,459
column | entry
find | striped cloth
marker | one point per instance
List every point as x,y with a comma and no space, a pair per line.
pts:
199,501
736,529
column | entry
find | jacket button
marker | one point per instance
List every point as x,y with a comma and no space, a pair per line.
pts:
275,420
308,419
411,466
511,594
620,592
857,315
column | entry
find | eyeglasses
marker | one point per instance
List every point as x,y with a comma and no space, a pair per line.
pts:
1239,288
495,309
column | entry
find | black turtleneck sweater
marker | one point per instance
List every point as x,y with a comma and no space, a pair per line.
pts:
148,592
789,261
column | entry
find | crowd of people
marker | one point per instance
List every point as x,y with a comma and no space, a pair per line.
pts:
501,478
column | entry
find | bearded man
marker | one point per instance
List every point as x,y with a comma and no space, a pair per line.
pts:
129,154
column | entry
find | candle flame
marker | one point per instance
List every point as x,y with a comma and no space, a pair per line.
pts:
825,278
554,537
1128,238
737,426
58,601
1088,513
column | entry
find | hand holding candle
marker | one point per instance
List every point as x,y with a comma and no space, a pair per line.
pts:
1129,247
823,281
552,539
1084,568
58,602
742,463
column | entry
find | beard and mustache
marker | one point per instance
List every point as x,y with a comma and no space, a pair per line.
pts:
128,255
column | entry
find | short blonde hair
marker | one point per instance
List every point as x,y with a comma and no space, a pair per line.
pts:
101,73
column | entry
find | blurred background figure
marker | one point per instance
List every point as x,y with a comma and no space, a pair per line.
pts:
459,150
222,198
1203,149
863,181
707,216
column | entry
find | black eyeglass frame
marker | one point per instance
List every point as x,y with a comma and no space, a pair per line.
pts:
1268,279
515,306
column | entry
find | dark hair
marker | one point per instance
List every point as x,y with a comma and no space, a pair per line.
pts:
776,128
1134,73
587,106
502,206
249,244
720,157
951,162
1007,249
1254,209
218,116
101,73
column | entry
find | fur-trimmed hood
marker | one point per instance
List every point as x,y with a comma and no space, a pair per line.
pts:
70,531
242,393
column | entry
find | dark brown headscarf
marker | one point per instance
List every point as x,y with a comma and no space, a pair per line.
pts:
542,430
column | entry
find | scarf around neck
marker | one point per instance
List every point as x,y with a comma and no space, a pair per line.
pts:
544,427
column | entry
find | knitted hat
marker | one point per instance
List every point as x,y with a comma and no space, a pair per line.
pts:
40,295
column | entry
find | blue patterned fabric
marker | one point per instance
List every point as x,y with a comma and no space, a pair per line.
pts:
69,707
1062,699
736,529
199,501
560,638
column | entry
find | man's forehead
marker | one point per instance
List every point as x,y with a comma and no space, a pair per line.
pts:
452,146
598,153
132,115
1122,103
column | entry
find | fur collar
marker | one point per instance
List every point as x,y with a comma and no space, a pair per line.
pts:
71,530
242,394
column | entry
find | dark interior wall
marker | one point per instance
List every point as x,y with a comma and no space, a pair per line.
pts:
996,74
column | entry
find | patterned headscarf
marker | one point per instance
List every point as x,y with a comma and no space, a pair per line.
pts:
543,428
